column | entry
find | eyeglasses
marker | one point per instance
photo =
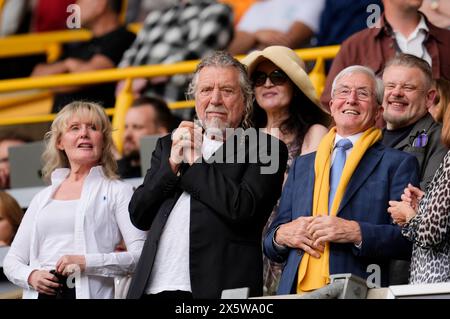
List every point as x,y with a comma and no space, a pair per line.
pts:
361,93
277,77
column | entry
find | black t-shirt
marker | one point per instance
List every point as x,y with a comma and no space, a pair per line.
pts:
393,137
112,45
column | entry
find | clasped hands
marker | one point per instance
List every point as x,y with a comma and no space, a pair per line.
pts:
310,234
187,142
402,211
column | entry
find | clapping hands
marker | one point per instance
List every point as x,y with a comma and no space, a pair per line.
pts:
402,211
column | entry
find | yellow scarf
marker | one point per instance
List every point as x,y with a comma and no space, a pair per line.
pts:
313,273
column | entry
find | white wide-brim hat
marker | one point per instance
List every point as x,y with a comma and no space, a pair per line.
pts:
291,64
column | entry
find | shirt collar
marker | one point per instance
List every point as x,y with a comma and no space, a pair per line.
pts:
209,146
423,24
353,138
60,174
387,28
421,27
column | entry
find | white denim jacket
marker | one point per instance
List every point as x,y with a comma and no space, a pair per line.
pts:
101,220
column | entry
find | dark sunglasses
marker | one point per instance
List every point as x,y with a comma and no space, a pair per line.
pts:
277,77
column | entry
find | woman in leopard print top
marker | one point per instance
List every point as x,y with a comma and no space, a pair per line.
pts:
429,230
425,218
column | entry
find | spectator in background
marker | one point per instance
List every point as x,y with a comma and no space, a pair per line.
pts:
332,216
147,116
10,217
239,8
285,99
103,51
289,23
51,15
187,30
441,101
74,225
437,12
7,140
341,19
402,29
15,18
137,10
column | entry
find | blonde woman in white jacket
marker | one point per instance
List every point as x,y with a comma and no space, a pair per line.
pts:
73,226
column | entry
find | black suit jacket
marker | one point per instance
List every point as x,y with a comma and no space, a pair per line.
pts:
230,204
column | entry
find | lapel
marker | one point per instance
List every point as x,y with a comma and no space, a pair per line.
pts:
423,124
308,188
303,194
362,172
405,142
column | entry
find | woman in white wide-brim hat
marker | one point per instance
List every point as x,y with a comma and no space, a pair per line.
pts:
286,105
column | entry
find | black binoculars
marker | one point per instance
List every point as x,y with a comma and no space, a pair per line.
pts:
63,292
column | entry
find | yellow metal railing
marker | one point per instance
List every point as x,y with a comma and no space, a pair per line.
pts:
123,14
124,98
48,43
2,4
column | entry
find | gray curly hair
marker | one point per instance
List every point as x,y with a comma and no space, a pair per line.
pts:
223,59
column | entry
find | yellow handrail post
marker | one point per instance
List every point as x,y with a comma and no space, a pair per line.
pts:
2,4
318,76
123,14
123,102
53,52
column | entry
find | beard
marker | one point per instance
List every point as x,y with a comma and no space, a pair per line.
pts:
215,128
396,121
216,124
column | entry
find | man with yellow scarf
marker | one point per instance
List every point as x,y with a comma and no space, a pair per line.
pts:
333,210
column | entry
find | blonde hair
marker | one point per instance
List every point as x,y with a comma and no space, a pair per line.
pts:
54,158
10,209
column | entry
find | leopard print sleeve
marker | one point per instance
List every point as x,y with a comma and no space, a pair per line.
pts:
431,226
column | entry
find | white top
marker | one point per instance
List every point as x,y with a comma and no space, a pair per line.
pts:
352,138
171,267
279,15
101,219
54,231
414,44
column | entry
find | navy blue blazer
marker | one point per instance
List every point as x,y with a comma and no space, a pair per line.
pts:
381,175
